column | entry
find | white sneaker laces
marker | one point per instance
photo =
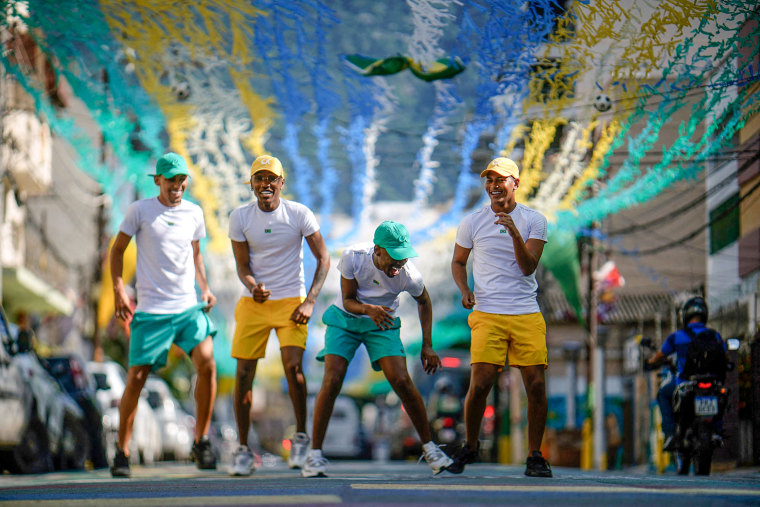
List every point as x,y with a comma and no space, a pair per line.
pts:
432,455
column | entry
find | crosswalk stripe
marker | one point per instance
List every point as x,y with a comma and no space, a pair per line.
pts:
185,500
563,489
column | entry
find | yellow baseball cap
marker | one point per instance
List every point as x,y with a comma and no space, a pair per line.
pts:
267,163
503,167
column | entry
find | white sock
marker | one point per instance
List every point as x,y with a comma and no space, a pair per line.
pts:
316,453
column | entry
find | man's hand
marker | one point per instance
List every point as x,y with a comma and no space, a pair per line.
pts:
653,362
260,293
430,360
468,299
122,307
506,221
208,298
380,315
302,314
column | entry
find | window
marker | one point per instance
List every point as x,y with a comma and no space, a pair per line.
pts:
724,224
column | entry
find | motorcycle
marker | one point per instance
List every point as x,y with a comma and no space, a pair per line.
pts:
448,431
699,405
447,414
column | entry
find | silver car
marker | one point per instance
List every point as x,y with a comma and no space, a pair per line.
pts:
177,426
42,425
22,436
111,380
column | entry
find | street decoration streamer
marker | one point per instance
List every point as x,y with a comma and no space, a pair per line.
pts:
430,18
560,88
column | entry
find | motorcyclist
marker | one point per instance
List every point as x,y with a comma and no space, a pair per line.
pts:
694,317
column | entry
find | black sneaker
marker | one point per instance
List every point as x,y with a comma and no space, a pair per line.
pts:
537,466
202,454
120,466
463,456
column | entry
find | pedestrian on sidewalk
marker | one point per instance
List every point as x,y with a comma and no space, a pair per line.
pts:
168,231
506,239
267,241
372,279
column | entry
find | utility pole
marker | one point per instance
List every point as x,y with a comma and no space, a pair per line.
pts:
595,359
2,169
571,350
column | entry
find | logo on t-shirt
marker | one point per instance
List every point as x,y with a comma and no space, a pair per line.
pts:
375,282
503,231
169,223
267,231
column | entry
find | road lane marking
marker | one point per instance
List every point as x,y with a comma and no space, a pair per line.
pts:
183,500
563,489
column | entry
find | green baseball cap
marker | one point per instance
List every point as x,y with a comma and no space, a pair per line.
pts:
394,237
170,165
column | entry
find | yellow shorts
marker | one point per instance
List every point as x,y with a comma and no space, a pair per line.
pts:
255,321
519,338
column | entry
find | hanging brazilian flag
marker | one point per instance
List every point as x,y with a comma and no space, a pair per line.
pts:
443,68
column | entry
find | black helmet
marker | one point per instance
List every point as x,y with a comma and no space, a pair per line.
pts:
694,307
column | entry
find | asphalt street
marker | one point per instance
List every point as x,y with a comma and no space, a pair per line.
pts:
372,483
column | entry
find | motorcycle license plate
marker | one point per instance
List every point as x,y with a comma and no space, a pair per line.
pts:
706,405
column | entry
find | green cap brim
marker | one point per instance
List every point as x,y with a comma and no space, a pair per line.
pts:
172,173
401,252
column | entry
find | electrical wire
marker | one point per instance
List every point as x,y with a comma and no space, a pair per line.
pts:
695,232
692,204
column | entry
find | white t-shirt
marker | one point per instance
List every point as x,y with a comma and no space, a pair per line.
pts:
275,244
165,266
500,286
375,287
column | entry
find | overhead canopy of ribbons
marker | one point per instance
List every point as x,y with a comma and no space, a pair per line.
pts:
368,101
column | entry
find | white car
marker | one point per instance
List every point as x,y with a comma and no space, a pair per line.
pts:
111,380
343,436
177,426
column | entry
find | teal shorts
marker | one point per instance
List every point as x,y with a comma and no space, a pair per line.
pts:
152,334
346,332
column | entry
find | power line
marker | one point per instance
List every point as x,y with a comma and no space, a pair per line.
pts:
695,232
690,205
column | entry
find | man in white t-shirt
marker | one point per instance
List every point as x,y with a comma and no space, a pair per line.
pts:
506,240
372,278
267,240
168,231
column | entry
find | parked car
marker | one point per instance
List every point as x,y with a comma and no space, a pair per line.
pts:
48,429
344,435
64,420
145,445
177,426
23,440
71,371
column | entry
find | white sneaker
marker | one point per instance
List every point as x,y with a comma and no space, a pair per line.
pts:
436,458
242,462
314,466
299,447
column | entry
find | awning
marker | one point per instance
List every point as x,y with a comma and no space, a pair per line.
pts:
23,290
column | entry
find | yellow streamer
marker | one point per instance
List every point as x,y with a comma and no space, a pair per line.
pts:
541,137
583,41
592,170
144,26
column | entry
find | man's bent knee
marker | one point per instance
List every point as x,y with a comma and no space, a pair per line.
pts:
206,367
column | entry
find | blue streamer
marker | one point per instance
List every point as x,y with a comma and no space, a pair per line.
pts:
271,35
